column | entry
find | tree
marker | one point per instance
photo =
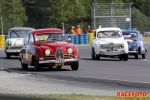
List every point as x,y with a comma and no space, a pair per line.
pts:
13,14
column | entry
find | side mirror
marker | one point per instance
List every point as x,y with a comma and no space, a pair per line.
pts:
69,39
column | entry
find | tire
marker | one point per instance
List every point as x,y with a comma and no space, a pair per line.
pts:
136,55
75,65
143,56
8,56
125,57
94,55
24,66
37,66
120,57
58,67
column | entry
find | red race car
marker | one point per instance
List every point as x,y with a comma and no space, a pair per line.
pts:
48,48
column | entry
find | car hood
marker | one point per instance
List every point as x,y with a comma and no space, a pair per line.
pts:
15,41
110,40
129,40
54,45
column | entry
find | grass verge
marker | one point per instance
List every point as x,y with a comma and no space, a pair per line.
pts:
65,97
146,39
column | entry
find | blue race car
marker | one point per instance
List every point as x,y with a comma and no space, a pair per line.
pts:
136,43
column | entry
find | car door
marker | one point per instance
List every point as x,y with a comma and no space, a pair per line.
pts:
142,44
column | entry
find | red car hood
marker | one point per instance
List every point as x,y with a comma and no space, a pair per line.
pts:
53,45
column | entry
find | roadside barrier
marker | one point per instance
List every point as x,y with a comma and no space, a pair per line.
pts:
2,41
6,37
81,38
90,35
76,39
86,39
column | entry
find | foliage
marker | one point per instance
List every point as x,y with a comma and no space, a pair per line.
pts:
13,14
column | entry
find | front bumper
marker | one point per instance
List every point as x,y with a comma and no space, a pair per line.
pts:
131,52
54,61
111,53
12,51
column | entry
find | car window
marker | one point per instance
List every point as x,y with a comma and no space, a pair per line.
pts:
18,34
50,37
109,34
130,35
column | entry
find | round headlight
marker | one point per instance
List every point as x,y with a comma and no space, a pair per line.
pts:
70,50
47,52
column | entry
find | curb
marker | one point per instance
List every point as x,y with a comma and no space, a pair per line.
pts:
124,83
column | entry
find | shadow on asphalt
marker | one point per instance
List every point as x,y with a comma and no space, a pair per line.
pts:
31,69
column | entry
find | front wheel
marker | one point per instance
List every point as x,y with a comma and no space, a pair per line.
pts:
120,57
75,65
136,55
94,55
8,56
143,56
125,57
37,66
24,66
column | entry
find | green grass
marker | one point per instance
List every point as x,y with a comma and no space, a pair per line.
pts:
147,39
72,97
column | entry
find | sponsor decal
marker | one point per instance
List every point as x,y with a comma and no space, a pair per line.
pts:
131,94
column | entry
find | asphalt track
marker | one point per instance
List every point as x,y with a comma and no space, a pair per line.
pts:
131,73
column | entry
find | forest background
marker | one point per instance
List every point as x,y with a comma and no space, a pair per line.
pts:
52,13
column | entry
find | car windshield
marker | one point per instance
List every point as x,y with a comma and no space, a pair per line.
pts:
130,35
109,34
50,37
18,34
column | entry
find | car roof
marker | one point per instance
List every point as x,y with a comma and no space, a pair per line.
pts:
22,28
47,30
129,31
108,28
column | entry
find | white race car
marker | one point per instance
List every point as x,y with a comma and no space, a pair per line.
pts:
14,43
109,42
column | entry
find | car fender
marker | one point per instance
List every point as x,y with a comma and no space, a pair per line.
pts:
96,46
126,47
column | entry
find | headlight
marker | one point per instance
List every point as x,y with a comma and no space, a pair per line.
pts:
70,50
47,52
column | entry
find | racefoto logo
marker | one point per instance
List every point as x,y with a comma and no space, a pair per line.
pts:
131,94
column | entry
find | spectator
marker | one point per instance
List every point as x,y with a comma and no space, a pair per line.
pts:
78,30
72,31
88,29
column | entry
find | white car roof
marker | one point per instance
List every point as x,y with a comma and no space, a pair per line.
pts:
22,28
107,29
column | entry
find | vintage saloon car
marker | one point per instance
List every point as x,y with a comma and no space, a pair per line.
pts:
48,48
136,43
14,43
109,42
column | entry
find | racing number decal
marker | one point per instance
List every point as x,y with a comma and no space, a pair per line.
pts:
142,45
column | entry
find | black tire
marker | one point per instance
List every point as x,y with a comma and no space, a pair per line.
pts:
58,67
136,55
24,66
8,56
75,65
120,57
37,66
125,57
94,55
143,56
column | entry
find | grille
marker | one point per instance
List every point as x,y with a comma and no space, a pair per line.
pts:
112,46
59,53
16,47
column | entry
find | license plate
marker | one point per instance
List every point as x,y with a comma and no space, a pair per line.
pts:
59,64
59,61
